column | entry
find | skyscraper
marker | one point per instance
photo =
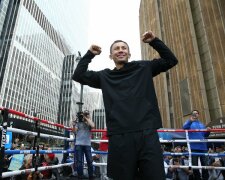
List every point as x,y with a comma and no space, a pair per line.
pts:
69,92
32,52
37,44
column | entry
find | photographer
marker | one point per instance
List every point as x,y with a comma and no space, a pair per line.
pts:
82,130
177,161
201,147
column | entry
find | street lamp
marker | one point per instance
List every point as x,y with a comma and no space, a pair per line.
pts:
81,86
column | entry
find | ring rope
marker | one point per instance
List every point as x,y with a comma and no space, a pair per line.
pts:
27,171
24,132
189,153
195,167
104,152
21,114
34,118
193,140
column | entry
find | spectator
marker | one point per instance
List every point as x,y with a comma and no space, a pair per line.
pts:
215,173
35,176
216,162
5,166
22,147
82,129
194,123
169,174
179,173
15,144
27,164
49,159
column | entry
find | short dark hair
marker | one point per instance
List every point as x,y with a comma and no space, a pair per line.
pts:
117,42
194,110
86,112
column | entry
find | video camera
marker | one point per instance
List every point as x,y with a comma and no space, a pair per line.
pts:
80,115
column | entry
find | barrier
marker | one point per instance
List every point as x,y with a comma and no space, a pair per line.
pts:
35,152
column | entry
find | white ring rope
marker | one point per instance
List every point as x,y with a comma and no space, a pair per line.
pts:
20,131
58,151
24,132
187,140
178,140
189,149
27,171
195,167
193,140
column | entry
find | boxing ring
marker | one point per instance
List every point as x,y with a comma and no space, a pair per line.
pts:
66,151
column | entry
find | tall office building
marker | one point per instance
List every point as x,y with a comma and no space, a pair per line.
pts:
69,92
99,118
194,30
32,55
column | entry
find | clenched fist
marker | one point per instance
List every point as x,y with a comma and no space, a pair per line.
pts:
148,36
96,50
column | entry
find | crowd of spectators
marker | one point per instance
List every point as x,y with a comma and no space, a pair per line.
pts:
174,172
26,162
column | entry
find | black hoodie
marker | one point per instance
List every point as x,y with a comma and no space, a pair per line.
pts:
128,93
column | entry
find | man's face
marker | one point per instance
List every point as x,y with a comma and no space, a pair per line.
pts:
195,114
120,53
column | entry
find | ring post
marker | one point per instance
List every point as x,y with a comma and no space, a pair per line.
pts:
189,150
66,146
36,141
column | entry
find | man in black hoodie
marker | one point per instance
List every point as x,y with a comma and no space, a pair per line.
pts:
132,112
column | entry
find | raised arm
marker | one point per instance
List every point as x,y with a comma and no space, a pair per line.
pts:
89,121
167,60
187,124
82,75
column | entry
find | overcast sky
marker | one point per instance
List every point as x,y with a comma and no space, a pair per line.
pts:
99,22
111,20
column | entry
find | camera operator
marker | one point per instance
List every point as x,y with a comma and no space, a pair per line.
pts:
177,161
82,129
201,147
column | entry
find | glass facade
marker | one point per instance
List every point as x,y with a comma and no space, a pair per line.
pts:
69,92
32,54
37,59
8,14
3,9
